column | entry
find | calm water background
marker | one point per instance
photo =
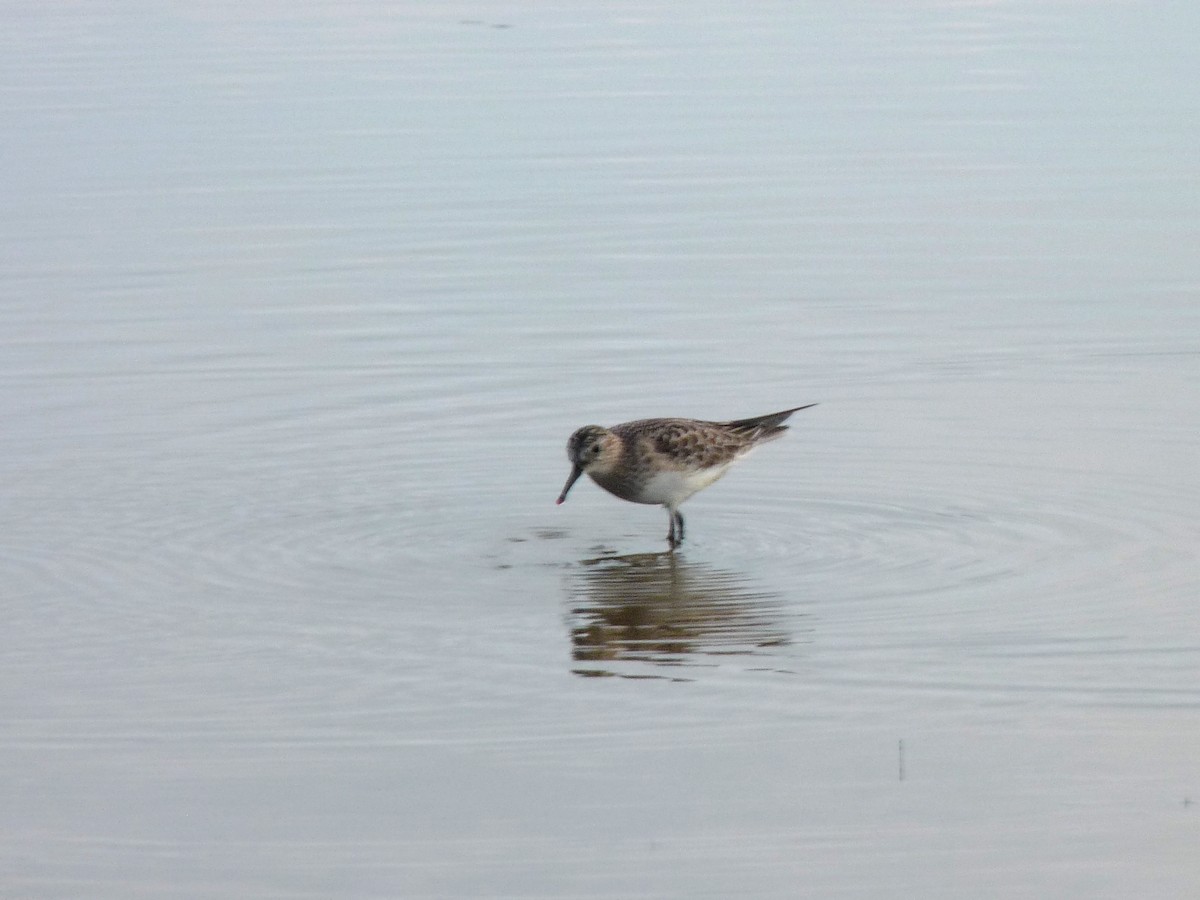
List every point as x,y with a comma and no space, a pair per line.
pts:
299,303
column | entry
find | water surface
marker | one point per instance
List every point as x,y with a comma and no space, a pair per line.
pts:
299,305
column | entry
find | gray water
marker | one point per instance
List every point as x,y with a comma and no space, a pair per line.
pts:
300,302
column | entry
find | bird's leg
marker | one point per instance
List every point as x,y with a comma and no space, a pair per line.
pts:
675,535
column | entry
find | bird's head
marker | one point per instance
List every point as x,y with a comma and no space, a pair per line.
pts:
590,449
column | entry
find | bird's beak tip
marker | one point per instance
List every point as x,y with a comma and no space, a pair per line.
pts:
574,476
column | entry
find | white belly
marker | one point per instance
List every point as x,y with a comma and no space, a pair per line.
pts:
672,488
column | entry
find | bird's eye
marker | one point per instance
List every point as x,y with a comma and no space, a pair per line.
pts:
595,448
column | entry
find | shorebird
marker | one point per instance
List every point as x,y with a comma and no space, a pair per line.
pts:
665,461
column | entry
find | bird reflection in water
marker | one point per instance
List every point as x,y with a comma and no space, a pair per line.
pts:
656,608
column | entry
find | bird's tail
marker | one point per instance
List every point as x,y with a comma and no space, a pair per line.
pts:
764,428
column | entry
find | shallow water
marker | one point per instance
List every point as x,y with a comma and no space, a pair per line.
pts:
299,306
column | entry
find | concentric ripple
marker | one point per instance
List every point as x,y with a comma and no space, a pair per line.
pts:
996,566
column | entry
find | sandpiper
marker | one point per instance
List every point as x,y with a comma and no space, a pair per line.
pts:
665,461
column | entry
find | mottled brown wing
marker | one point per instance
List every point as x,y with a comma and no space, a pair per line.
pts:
697,444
